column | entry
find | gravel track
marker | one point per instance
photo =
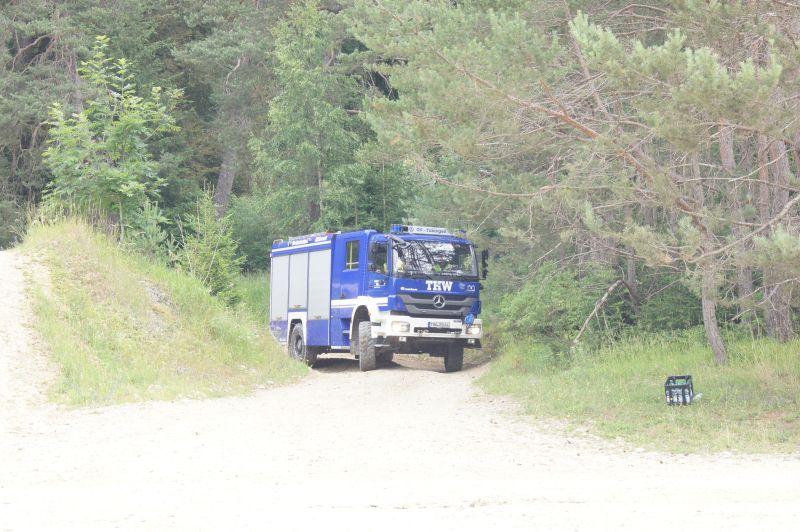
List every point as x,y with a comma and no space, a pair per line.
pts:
401,448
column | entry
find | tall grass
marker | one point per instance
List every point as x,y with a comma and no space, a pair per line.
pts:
125,329
254,289
750,405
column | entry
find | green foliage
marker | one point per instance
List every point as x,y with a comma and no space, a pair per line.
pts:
308,153
554,302
781,250
209,251
673,307
150,239
359,196
257,220
310,132
99,157
358,114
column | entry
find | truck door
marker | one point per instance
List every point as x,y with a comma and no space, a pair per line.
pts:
349,263
378,267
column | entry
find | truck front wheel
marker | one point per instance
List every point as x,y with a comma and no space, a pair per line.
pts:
454,358
298,348
366,347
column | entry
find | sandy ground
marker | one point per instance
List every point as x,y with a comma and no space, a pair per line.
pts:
401,448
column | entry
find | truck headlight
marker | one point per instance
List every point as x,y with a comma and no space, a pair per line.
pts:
475,328
400,326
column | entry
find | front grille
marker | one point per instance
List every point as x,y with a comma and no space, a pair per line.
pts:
455,306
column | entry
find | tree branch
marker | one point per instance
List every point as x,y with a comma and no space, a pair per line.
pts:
600,303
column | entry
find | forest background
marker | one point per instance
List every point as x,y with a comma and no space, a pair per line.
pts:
631,166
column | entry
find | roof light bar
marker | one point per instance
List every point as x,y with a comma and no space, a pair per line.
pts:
419,230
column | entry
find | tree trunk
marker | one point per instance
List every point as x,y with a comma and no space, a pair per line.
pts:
744,285
632,284
708,291
709,300
778,312
744,273
227,173
778,300
630,278
726,155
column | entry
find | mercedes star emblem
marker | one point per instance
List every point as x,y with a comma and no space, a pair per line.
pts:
438,301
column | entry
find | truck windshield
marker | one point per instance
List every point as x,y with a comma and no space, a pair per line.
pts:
429,259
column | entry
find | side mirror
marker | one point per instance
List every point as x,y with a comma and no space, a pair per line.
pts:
484,263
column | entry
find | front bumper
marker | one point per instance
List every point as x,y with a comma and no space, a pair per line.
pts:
394,329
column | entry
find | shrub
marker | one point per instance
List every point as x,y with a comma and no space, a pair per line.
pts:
150,239
554,303
674,307
256,221
100,157
209,251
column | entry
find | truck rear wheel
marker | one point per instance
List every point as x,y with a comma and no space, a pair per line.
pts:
298,348
366,347
454,358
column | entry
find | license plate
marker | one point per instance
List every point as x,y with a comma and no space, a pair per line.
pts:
442,325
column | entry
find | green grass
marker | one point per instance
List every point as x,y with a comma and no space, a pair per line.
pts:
750,405
125,329
254,289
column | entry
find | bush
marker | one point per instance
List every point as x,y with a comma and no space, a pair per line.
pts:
148,236
257,220
674,307
554,303
209,251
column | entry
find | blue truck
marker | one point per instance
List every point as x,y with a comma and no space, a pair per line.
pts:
413,290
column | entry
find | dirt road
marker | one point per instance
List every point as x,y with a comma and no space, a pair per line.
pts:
402,448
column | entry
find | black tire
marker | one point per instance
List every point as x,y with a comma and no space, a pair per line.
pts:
366,347
454,358
385,357
298,349
354,344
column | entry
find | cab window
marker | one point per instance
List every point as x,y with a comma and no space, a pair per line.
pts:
379,257
351,259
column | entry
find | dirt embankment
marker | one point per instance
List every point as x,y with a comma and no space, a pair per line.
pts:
402,448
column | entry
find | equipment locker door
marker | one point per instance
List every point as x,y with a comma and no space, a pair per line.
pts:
319,300
349,263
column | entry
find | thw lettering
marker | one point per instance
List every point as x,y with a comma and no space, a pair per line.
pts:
441,286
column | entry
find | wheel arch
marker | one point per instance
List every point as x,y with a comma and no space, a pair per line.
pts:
360,313
294,320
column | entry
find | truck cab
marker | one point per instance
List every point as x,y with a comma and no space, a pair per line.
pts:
412,290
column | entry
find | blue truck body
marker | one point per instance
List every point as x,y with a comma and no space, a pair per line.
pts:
417,288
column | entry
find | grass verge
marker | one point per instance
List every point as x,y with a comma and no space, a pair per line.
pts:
750,405
125,329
